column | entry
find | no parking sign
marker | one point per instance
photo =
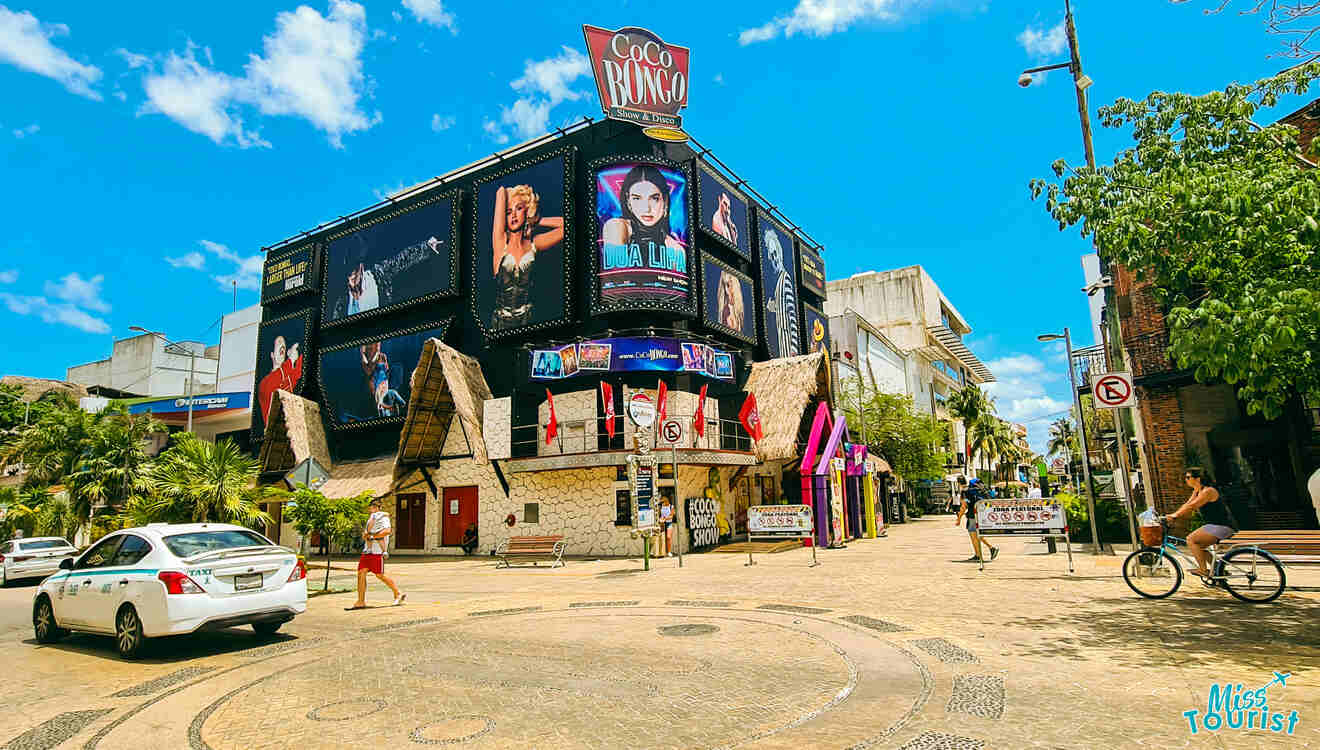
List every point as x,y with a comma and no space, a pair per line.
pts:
1114,390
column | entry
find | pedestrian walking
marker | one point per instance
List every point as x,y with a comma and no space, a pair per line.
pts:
375,543
971,497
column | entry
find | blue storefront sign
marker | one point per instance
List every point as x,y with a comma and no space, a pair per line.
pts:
631,354
207,402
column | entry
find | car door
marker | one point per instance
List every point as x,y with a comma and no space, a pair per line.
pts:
118,581
77,605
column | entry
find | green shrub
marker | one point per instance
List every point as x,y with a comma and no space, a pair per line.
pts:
1111,519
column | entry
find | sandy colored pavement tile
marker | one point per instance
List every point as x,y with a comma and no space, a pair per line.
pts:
888,643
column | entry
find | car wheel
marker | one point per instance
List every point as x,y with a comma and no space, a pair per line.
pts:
43,622
266,628
128,633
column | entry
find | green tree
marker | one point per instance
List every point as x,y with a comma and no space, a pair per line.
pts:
970,404
1063,439
200,481
910,441
1220,213
339,520
114,461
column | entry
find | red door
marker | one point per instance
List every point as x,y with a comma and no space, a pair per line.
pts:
410,521
458,509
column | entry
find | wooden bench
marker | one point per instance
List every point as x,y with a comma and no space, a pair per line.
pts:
1292,547
532,548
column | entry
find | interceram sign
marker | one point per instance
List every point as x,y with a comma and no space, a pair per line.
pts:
640,78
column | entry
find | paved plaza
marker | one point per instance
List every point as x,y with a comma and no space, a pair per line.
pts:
890,643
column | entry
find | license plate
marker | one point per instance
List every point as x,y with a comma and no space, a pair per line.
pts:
247,582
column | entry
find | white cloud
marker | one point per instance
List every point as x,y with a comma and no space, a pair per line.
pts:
247,269
311,68
62,313
1015,365
432,12
8,277
133,59
76,290
120,95
1044,42
718,79
544,85
820,18
397,16
27,131
26,43
440,124
193,260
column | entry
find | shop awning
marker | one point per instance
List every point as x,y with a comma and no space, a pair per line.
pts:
352,479
784,388
951,341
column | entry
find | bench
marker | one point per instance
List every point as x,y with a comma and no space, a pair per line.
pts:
532,548
1290,547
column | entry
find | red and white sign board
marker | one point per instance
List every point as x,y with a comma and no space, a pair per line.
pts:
1114,390
671,431
1020,516
640,78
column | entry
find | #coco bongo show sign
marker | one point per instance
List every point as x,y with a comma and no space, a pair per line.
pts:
640,79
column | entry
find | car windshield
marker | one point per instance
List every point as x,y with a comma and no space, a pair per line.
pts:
43,544
197,542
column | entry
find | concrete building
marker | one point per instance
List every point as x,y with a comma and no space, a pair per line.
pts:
146,365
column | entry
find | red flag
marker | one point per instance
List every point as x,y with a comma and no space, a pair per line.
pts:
551,429
750,418
607,398
661,396
699,421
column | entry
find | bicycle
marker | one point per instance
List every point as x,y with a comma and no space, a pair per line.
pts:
1249,573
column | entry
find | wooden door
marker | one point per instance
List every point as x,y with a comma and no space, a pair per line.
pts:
410,521
457,509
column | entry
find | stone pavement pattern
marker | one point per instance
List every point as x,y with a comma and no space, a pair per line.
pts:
888,643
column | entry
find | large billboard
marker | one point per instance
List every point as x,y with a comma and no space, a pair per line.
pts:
813,271
643,235
728,300
815,329
282,349
631,354
290,272
778,287
723,212
369,381
640,79
522,246
392,260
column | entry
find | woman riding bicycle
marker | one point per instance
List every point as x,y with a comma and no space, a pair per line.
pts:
1219,524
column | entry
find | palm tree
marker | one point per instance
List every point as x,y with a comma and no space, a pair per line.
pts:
115,459
200,481
52,447
1063,438
970,404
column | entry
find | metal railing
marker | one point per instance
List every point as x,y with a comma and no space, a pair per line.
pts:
1149,353
1087,363
590,436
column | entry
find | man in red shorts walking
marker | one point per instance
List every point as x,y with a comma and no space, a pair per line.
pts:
376,540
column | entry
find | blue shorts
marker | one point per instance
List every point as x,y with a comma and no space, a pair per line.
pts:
1218,532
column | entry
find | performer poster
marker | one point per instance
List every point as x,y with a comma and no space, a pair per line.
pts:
779,288
643,236
281,356
371,381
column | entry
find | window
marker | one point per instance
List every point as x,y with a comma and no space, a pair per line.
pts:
531,512
43,544
622,508
99,555
133,549
187,545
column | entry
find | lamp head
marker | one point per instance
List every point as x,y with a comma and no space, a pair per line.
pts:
1024,80
1046,337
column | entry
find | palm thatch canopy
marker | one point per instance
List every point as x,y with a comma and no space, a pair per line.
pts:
352,479
293,434
784,388
445,385
34,388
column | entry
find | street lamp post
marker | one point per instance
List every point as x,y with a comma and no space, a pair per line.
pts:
1081,429
192,368
1081,81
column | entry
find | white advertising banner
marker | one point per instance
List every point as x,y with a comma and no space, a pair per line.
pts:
784,520
1020,516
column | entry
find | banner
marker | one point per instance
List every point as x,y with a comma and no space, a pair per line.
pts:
282,346
751,418
815,328
643,234
785,520
289,273
631,354
699,419
699,513
368,381
812,268
607,398
1020,516
552,427
640,79
778,288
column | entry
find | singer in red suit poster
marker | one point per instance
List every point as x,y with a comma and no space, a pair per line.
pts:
285,371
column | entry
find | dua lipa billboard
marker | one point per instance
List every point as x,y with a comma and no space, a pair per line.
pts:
640,78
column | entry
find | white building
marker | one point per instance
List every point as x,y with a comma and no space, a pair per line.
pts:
147,366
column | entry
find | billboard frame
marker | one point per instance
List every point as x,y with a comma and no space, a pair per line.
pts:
700,166
715,324
317,248
445,324
308,314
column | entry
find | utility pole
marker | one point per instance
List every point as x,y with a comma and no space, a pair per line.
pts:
1081,429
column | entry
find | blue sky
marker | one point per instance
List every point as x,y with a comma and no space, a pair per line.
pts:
149,155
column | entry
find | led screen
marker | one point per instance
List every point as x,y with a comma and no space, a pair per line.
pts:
372,381
778,288
729,300
723,212
281,356
643,235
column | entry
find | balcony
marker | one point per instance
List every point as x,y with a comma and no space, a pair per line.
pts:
1149,354
586,443
1088,362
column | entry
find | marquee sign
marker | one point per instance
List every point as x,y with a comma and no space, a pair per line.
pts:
640,79
631,354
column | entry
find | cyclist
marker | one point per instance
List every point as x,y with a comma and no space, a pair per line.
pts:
1219,524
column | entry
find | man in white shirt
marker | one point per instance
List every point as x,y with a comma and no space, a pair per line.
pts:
376,540
1034,492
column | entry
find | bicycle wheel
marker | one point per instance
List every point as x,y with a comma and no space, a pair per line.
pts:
1152,573
1252,575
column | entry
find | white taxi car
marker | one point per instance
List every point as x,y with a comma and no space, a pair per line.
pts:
37,557
171,579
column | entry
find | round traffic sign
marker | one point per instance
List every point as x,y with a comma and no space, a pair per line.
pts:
641,410
671,430
1112,390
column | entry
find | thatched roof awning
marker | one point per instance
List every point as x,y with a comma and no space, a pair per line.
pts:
784,388
34,388
447,384
352,479
293,434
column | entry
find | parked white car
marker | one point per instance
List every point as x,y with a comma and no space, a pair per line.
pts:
37,557
171,579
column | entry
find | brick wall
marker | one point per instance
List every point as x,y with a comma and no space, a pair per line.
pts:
1162,415
1141,316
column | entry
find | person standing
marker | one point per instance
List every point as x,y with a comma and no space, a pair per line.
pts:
375,543
970,498
667,525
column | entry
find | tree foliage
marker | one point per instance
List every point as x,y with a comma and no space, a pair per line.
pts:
339,520
1295,22
200,481
911,442
1221,215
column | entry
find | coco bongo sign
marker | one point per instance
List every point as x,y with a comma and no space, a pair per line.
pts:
640,78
